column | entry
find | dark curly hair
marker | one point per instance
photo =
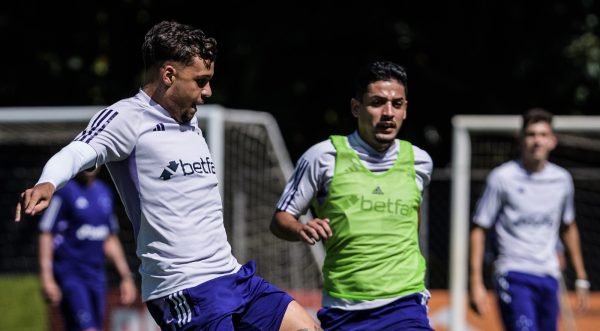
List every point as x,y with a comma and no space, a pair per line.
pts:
376,71
174,41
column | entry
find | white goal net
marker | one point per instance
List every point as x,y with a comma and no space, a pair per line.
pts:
482,142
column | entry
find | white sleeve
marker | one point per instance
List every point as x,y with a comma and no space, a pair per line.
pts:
50,215
569,210
65,164
423,167
309,178
112,133
490,202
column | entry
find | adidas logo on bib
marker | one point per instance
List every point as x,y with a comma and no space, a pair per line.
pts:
377,190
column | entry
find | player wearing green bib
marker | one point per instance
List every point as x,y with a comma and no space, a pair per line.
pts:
376,222
365,189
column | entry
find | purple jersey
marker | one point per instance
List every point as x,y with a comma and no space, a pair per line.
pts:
80,218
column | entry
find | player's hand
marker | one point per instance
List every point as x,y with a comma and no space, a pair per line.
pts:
128,291
478,299
52,292
34,200
315,230
582,299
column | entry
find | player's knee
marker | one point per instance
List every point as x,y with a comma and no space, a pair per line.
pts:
297,318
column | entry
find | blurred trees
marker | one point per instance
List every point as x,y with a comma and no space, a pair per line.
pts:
297,61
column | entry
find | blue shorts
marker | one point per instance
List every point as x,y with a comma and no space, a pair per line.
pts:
407,313
83,302
528,302
240,301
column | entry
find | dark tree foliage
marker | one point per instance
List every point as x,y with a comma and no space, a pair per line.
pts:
296,61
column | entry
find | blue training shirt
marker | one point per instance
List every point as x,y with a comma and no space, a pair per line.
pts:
80,218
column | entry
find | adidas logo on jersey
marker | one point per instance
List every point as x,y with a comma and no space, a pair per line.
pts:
377,190
159,127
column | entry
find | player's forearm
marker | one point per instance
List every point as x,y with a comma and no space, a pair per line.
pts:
65,164
477,244
571,239
114,251
45,257
285,226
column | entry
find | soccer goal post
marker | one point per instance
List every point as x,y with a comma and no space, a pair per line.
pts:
481,142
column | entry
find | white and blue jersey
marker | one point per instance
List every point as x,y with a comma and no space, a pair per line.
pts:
526,210
166,179
80,218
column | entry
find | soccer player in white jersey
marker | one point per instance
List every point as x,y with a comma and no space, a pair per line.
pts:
366,189
527,202
165,176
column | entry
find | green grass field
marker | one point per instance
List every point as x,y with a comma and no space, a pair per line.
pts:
21,304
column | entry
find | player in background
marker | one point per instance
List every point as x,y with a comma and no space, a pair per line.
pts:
366,189
78,230
527,202
164,173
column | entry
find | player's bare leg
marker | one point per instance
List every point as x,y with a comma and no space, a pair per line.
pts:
297,319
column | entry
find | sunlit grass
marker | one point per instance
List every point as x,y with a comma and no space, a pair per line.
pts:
21,304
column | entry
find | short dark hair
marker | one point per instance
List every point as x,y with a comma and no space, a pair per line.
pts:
169,40
536,115
377,71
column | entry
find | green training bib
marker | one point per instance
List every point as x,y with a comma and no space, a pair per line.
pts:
374,251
